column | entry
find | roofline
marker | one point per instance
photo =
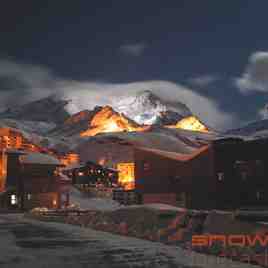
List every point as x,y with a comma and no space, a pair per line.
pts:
174,155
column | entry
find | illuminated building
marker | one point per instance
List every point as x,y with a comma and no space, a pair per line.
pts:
32,180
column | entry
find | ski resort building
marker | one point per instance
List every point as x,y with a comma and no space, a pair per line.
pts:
32,179
227,174
172,178
91,174
69,158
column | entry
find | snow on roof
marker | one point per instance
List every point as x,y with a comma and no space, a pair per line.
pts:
14,151
174,155
39,158
73,166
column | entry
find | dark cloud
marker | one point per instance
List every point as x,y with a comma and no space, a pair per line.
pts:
135,49
255,77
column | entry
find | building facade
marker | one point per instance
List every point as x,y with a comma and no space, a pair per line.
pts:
227,174
32,180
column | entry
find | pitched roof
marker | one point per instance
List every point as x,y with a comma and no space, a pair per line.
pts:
14,151
174,155
39,158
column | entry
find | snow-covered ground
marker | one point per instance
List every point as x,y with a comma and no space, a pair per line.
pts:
33,244
105,204
84,202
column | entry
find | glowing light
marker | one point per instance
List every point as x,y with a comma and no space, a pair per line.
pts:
13,199
102,161
190,123
126,177
107,120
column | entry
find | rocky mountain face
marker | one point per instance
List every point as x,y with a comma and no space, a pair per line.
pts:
147,108
108,120
75,124
50,109
128,114
144,114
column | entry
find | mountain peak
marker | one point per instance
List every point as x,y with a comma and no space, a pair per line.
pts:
147,96
108,120
147,108
49,109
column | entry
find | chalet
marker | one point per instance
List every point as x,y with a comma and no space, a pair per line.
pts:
91,174
177,179
32,179
69,159
12,138
227,174
241,170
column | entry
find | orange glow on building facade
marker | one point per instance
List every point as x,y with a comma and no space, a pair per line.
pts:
69,159
126,177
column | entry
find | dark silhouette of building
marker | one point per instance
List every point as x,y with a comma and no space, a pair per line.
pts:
227,174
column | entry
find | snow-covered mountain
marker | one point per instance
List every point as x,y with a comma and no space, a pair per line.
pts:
48,121
144,108
147,108
255,129
50,109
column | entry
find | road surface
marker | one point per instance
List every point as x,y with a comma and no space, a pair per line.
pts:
33,244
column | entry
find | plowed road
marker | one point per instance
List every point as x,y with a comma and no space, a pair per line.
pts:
27,243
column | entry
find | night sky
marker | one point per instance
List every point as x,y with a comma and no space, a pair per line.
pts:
209,46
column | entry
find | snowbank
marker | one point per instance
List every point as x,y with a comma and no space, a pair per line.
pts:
85,202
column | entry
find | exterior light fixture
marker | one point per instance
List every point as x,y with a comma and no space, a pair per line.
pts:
14,200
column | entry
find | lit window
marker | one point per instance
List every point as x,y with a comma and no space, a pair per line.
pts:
54,202
221,176
29,196
14,200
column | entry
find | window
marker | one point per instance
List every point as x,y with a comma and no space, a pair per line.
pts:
220,176
29,196
13,199
146,166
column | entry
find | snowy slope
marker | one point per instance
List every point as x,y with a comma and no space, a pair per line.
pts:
147,108
84,202
142,108
118,147
254,130
34,127
50,109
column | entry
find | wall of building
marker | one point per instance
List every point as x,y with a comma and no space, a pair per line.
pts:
48,200
160,178
107,152
244,169
3,170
